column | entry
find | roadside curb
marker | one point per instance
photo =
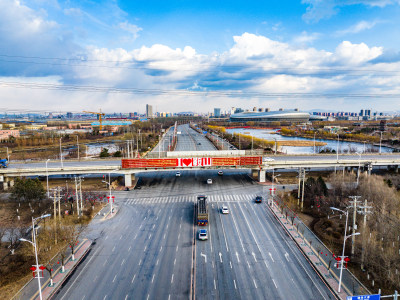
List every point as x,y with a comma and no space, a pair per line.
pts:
49,291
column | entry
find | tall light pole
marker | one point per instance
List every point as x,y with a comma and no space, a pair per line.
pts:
47,179
346,213
8,156
109,185
314,141
77,143
275,146
380,144
61,158
337,147
358,171
36,255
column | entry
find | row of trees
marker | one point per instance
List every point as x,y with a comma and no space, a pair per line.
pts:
377,249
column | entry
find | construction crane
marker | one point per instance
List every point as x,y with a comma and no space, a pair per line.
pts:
100,114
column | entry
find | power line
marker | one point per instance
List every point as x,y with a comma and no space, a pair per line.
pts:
102,89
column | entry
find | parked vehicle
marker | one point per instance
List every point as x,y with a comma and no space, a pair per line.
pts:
259,199
202,211
178,174
209,181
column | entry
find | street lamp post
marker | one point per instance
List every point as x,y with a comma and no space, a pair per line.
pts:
314,141
36,255
47,179
358,171
337,147
380,144
346,213
77,143
109,185
61,158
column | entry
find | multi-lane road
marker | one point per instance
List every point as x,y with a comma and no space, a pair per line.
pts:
149,250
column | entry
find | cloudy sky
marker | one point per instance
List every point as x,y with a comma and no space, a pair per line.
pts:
196,55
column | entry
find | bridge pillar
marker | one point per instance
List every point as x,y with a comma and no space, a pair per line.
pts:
7,182
259,175
128,179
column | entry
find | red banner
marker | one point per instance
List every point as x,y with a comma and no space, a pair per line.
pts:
190,162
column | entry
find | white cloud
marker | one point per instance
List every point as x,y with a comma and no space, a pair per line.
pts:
131,28
356,28
306,38
324,9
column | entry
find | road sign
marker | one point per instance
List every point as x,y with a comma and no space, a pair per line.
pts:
365,297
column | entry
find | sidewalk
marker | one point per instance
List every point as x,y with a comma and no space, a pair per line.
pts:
318,264
30,290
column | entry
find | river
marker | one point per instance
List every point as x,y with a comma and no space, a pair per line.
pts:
344,147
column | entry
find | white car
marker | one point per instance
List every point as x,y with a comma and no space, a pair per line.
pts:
220,173
178,174
209,181
203,234
268,159
224,210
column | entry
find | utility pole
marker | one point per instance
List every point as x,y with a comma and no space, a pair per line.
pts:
80,192
298,190
302,192
364,210
77,196
55,216
77,143
354,204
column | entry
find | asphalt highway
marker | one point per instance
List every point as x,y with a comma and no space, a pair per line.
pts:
145,251
190,140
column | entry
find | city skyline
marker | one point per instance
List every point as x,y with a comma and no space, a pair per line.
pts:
117,56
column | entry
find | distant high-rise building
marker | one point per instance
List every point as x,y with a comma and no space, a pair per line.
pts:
69,115
361,113
149,111
238,110
217,112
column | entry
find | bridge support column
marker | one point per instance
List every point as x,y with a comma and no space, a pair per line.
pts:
128,179
7,183
259,175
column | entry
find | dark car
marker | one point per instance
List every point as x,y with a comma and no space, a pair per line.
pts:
259,199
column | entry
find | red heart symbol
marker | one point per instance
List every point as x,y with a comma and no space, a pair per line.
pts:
187,161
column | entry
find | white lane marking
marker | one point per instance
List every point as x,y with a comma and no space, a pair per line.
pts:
157,262
215,285
105,262
176,248
255,284
153,278
150,236
160,248
113,249
237,256
254,255
135,236
180,226
114,277
205,257
164,236
105,297
270,255
212,262
133,278
230,263
223,230
83,297
94,279
154,225
140,262
106,238
237,230
174,261
287,256
248,263
148,296
145,248
234,282
275,284
129,249
172,278
126,297
220,257
122,261
120,237
179,235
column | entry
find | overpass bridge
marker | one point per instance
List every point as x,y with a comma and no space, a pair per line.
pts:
188,160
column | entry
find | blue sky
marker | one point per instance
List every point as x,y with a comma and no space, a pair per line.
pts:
196,55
